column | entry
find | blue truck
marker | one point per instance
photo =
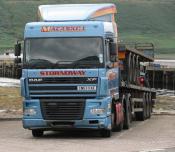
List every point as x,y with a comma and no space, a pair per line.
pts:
76,74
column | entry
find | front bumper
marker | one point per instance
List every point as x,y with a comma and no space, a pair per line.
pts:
89,121
104,123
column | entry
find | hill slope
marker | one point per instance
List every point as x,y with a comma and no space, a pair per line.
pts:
138,20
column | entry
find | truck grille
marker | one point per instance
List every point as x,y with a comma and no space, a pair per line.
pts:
61,87
63,80
62,109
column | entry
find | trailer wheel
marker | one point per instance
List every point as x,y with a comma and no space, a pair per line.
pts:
105,133
142,115
146,106
37,133
150,105
127,112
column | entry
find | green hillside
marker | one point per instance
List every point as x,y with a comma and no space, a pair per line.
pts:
138,21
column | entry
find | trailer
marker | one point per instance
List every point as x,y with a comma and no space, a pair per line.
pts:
135,91
76,74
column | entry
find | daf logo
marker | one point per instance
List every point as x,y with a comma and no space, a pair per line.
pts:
91,79
35,80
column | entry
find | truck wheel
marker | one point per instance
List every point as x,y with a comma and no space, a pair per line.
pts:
115,114
127,113
119,127
105,133
37,133
113,120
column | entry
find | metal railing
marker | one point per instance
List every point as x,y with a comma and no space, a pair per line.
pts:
9,69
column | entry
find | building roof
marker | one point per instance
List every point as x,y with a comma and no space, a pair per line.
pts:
72,12
166,63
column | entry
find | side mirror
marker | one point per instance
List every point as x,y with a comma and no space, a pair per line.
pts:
113,48
18,49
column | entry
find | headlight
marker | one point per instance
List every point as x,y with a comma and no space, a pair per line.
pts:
30,112
99,111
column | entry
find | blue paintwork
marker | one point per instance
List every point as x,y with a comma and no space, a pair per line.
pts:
114,84
36,121
40,123
92,28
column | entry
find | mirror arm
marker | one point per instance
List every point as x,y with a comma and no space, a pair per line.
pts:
109,65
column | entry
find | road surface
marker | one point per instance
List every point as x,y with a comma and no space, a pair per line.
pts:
155,134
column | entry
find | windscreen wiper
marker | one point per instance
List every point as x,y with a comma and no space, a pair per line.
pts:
87,61
39,63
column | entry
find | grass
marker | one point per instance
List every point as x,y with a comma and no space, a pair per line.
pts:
10,98
165,103
138,21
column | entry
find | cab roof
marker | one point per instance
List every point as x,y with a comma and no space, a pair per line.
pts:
74,12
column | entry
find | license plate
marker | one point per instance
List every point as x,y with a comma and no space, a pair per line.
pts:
86,88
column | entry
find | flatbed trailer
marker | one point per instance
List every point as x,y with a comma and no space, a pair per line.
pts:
135,93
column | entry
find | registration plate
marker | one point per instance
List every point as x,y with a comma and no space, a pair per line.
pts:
87,88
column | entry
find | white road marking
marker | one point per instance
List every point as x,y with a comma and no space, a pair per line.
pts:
152,150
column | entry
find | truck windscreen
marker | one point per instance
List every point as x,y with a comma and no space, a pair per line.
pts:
84,52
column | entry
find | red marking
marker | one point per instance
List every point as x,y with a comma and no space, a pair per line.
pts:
141,81
119,113
62,73
62,28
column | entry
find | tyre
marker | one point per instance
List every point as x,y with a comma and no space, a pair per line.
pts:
37,133
127,113
113,120
105,133
148,106
119,127
115,126
142,115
